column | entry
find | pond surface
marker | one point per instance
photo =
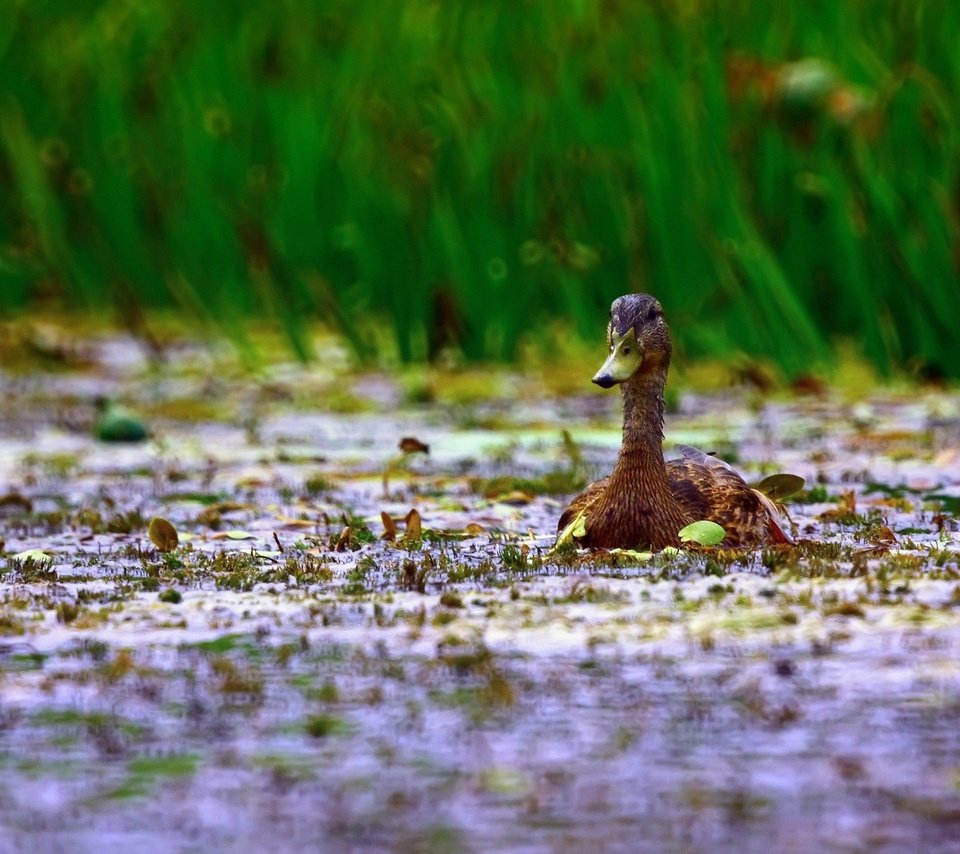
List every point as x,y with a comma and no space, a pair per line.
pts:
288,678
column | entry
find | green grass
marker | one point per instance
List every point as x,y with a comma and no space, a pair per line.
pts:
418,173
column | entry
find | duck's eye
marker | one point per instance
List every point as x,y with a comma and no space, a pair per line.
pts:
625,351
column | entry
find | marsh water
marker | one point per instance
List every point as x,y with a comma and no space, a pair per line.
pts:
290,678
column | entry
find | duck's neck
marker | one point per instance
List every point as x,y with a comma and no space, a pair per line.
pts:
641,455
638,507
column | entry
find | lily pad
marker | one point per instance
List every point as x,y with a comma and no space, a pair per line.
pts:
704,533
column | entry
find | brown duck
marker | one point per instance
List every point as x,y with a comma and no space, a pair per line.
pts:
646,501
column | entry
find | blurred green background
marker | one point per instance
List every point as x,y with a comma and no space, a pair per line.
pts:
424,174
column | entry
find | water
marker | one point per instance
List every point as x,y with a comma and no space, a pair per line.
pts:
258,686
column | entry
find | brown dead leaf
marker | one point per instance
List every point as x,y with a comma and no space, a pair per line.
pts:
884,536
343,540
412,445
291,523
414,526
389,526
162,534
16,500
210,517
474,529
757,375
230,506
809,384
252,481
845,510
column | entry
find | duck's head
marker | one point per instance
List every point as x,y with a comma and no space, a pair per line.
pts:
637,335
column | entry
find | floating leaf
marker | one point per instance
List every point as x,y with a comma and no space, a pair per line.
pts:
231,506
780,486
515,498
389,526
704,533
414,525
162,534
234,535
412,445
474,529
35,555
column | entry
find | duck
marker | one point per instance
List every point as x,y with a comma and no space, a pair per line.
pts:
646,501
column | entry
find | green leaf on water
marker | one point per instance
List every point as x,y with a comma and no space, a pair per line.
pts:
780,486
704,533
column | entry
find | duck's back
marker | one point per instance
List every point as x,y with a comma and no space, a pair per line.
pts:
705,488
708,488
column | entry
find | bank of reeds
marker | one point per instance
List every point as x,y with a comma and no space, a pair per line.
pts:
780,174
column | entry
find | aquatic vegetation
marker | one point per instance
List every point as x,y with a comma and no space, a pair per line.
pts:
808,154
421,657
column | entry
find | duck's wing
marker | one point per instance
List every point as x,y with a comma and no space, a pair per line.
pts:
582,502
703,458
709,488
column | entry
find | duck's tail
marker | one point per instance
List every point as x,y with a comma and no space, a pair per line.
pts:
777,532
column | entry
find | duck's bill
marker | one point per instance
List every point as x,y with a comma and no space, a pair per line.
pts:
622,363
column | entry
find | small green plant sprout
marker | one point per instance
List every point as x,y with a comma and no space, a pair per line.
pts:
162,534
703,533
